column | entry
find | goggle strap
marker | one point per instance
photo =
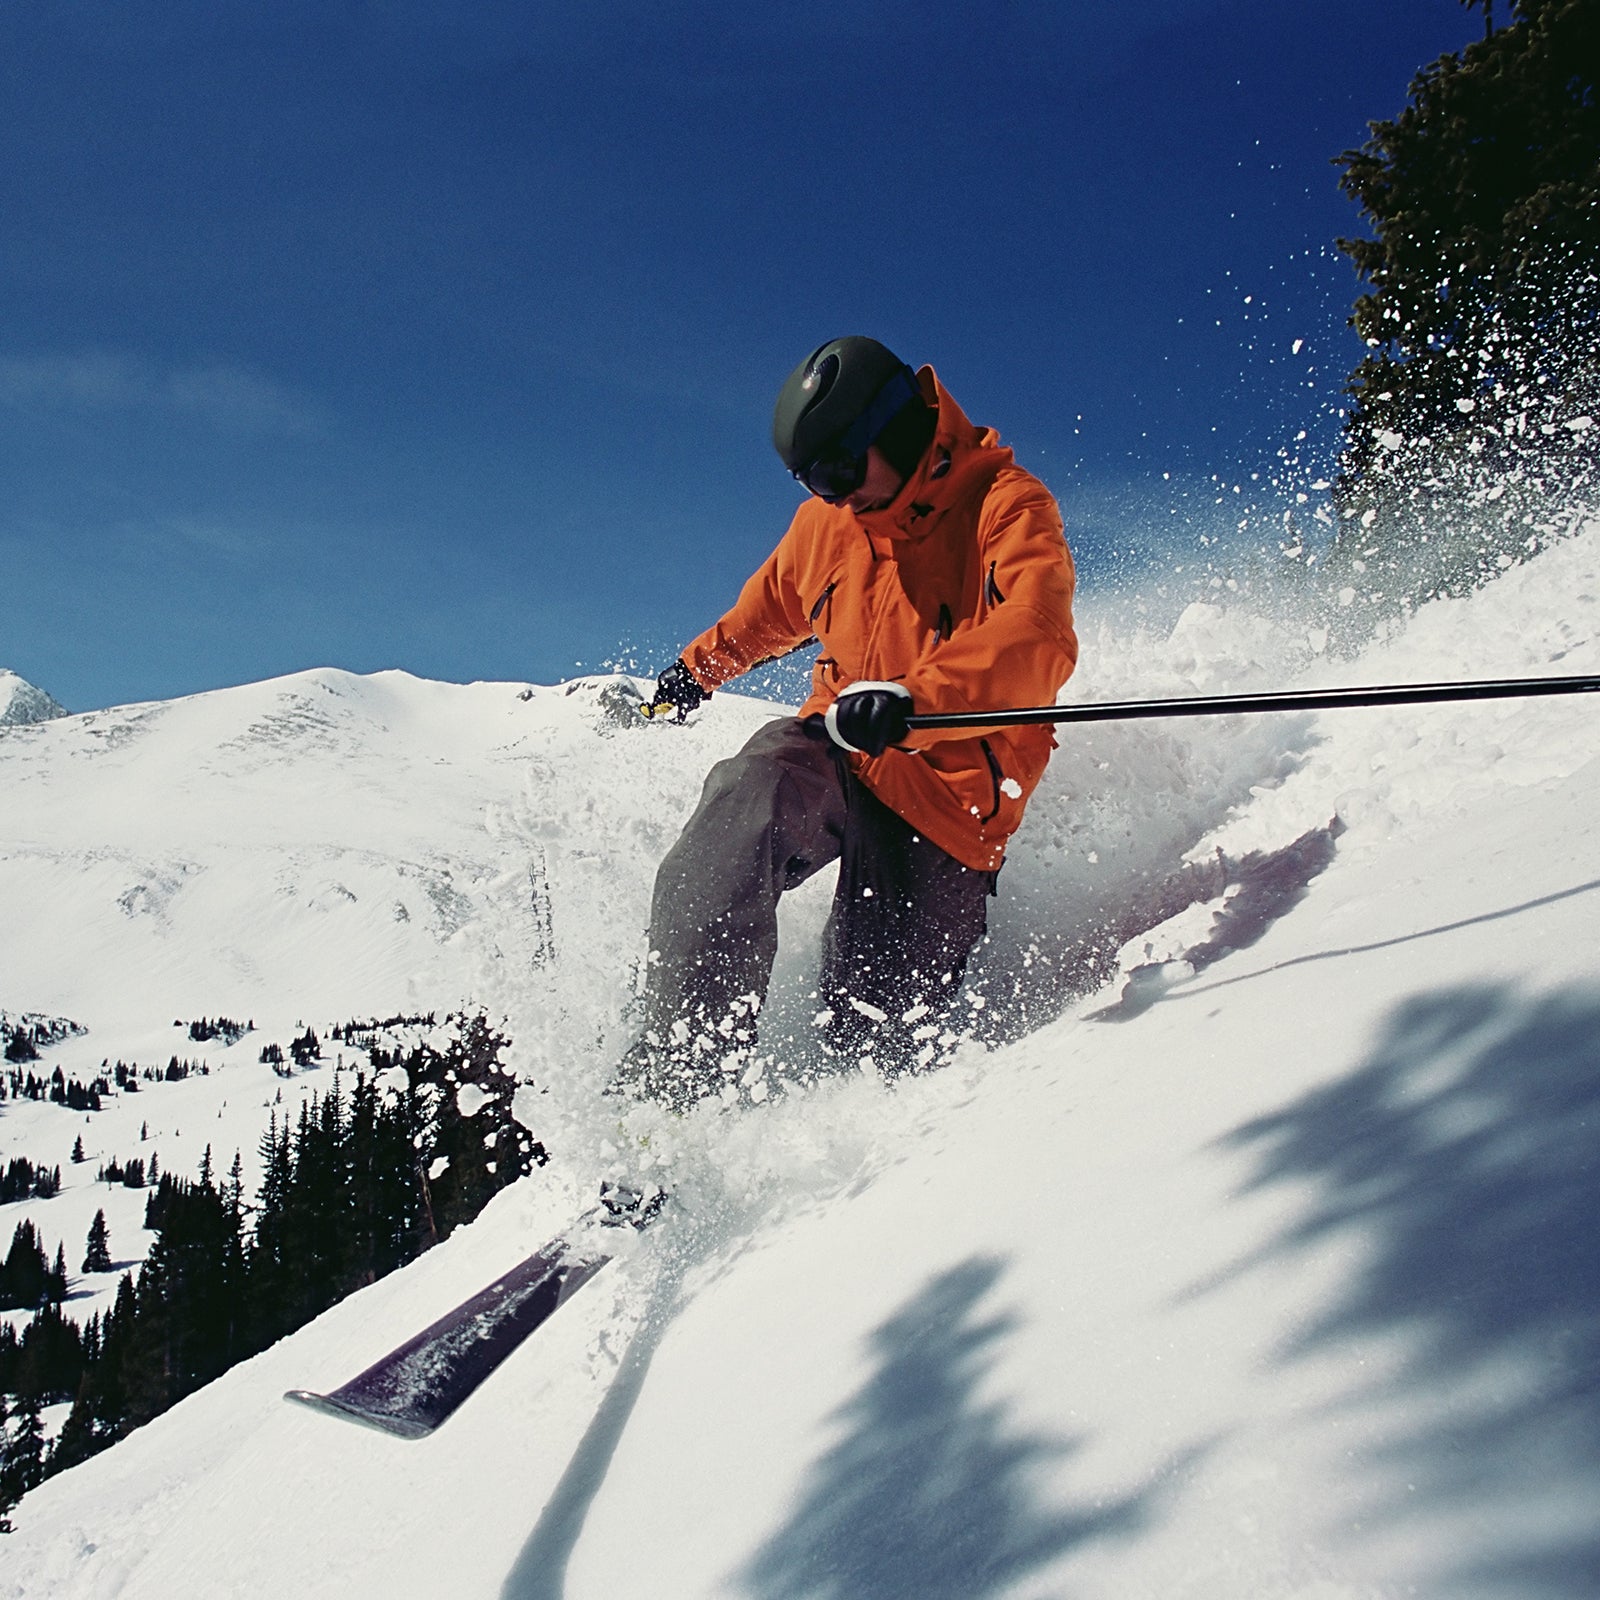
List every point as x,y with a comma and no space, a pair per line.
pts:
899,391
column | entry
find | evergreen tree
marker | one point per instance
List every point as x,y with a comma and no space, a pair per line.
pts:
186,1297
77,1440
25,1277
97,1256
484,1151
8,1500
146,1376
270,1257
107,1385
22,1461
314,1216
49,1358
20,1046
1482,312
241,1336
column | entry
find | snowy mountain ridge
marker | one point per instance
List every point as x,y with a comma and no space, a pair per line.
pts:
21,702
320,835
1241,1252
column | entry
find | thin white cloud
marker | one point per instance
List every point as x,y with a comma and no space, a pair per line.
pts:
232,540
229,398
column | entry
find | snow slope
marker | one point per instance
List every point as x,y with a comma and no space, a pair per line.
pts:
1246,1249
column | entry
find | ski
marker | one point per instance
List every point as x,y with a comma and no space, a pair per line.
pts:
423,1382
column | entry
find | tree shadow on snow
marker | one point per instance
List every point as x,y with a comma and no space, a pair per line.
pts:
1466,1151
930,1495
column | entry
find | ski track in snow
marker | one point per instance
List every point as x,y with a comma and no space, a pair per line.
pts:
1240,1251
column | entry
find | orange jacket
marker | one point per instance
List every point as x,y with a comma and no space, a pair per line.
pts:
960,589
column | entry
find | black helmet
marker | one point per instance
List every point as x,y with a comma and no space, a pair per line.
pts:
838,401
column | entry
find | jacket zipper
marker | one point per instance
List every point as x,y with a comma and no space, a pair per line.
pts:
995,775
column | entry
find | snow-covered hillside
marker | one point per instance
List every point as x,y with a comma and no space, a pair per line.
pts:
1246,1249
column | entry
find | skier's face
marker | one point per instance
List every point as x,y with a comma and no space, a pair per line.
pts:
881,484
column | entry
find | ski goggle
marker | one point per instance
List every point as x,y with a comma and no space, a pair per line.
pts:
838,471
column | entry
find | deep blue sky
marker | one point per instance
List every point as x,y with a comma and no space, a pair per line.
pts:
406,334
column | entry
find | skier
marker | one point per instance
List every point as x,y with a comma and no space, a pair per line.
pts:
935,574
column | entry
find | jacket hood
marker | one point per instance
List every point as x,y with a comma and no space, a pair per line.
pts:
963,459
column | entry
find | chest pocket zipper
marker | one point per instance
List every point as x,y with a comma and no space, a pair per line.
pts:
824,603
991,589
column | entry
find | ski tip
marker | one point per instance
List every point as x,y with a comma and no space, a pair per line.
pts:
395,1427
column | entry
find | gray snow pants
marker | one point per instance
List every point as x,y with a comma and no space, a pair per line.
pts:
905,918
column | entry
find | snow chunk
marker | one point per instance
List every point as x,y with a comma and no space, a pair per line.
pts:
392,1080
526,1107
1210,645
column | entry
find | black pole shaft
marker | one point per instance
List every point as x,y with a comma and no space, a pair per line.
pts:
1392,694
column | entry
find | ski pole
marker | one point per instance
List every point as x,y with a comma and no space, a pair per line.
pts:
1392,694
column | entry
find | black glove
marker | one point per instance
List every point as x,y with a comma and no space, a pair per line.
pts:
869,717
676,690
